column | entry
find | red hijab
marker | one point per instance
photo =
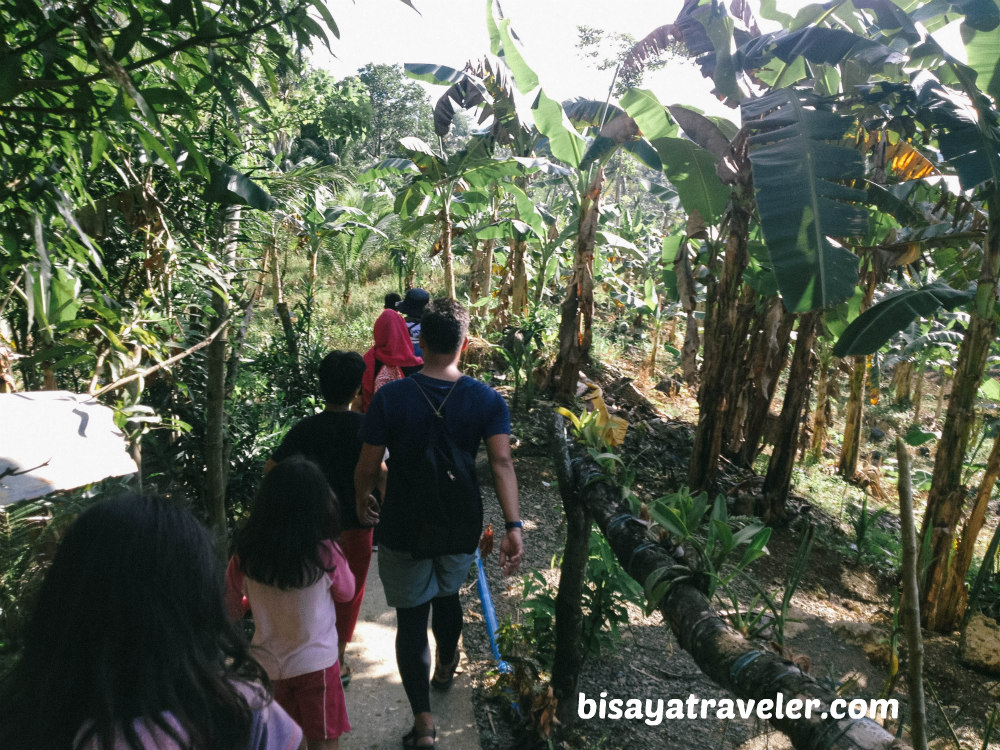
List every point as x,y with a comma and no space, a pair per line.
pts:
392,347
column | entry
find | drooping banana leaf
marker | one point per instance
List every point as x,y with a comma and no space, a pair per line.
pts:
971,138
644,152
691,169
388,168
565,143
230,187
649,114
701,130
818,45
800,168
882,321
466,92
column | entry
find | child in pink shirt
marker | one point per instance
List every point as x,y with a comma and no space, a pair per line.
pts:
289,571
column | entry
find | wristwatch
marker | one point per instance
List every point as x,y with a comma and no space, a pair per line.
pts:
514,525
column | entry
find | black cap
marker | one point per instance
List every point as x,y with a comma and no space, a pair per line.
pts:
414,302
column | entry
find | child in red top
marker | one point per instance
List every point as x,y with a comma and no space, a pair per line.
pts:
289,570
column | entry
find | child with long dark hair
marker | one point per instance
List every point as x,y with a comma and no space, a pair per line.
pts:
130,646
289,570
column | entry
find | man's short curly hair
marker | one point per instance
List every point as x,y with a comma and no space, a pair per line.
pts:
444,326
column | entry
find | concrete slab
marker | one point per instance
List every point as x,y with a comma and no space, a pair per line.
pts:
376,702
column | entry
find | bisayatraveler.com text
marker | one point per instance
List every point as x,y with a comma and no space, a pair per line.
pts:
655,711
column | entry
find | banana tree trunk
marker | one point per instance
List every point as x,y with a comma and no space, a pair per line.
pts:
519,290
689,303
769,351
918,392
481,275
778,479
446,259
655,344
576,324
947,496
953,595
751,317
725,656
723,346
939,407
818,444
851,447
902,381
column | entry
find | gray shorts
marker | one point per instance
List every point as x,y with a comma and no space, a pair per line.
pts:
409,582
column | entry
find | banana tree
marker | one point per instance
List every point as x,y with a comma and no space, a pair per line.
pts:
806,179
437,183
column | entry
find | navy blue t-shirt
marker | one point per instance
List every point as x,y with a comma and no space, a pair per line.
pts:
399,415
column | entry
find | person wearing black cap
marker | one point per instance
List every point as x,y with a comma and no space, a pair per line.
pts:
412,308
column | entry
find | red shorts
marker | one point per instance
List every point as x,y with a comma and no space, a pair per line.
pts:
316,702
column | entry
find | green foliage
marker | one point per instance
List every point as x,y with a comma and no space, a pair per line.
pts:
30,532
863,523
605,595
521,349
399,108
874,327
534,636
588,428
608,590
710,540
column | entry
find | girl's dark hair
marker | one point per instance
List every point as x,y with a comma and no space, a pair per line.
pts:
130,623
294,512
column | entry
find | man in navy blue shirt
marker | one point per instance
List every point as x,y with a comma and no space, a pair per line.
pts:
400,418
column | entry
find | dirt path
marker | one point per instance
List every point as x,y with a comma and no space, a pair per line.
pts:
376,703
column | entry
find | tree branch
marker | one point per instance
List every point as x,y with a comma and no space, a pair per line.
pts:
165,363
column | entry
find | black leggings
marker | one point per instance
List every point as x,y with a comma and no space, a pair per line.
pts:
413,655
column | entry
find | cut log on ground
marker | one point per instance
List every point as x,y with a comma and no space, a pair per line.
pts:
724,655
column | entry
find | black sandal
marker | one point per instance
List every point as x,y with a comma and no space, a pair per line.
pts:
411,737
444,674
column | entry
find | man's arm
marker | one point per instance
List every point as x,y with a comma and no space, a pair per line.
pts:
366,477
502,466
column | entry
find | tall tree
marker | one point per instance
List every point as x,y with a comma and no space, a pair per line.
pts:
399,108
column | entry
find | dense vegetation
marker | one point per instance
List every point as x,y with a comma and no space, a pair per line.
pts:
190,216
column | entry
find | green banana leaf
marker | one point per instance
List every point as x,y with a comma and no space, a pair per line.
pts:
388,168
565,143
649,114
800,168
691,169
874,327
231,187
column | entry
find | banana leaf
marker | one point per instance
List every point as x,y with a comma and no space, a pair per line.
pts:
874,327
800,168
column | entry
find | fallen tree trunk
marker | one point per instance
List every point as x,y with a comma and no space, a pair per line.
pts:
724,655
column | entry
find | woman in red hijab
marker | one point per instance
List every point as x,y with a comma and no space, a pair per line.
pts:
393,351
